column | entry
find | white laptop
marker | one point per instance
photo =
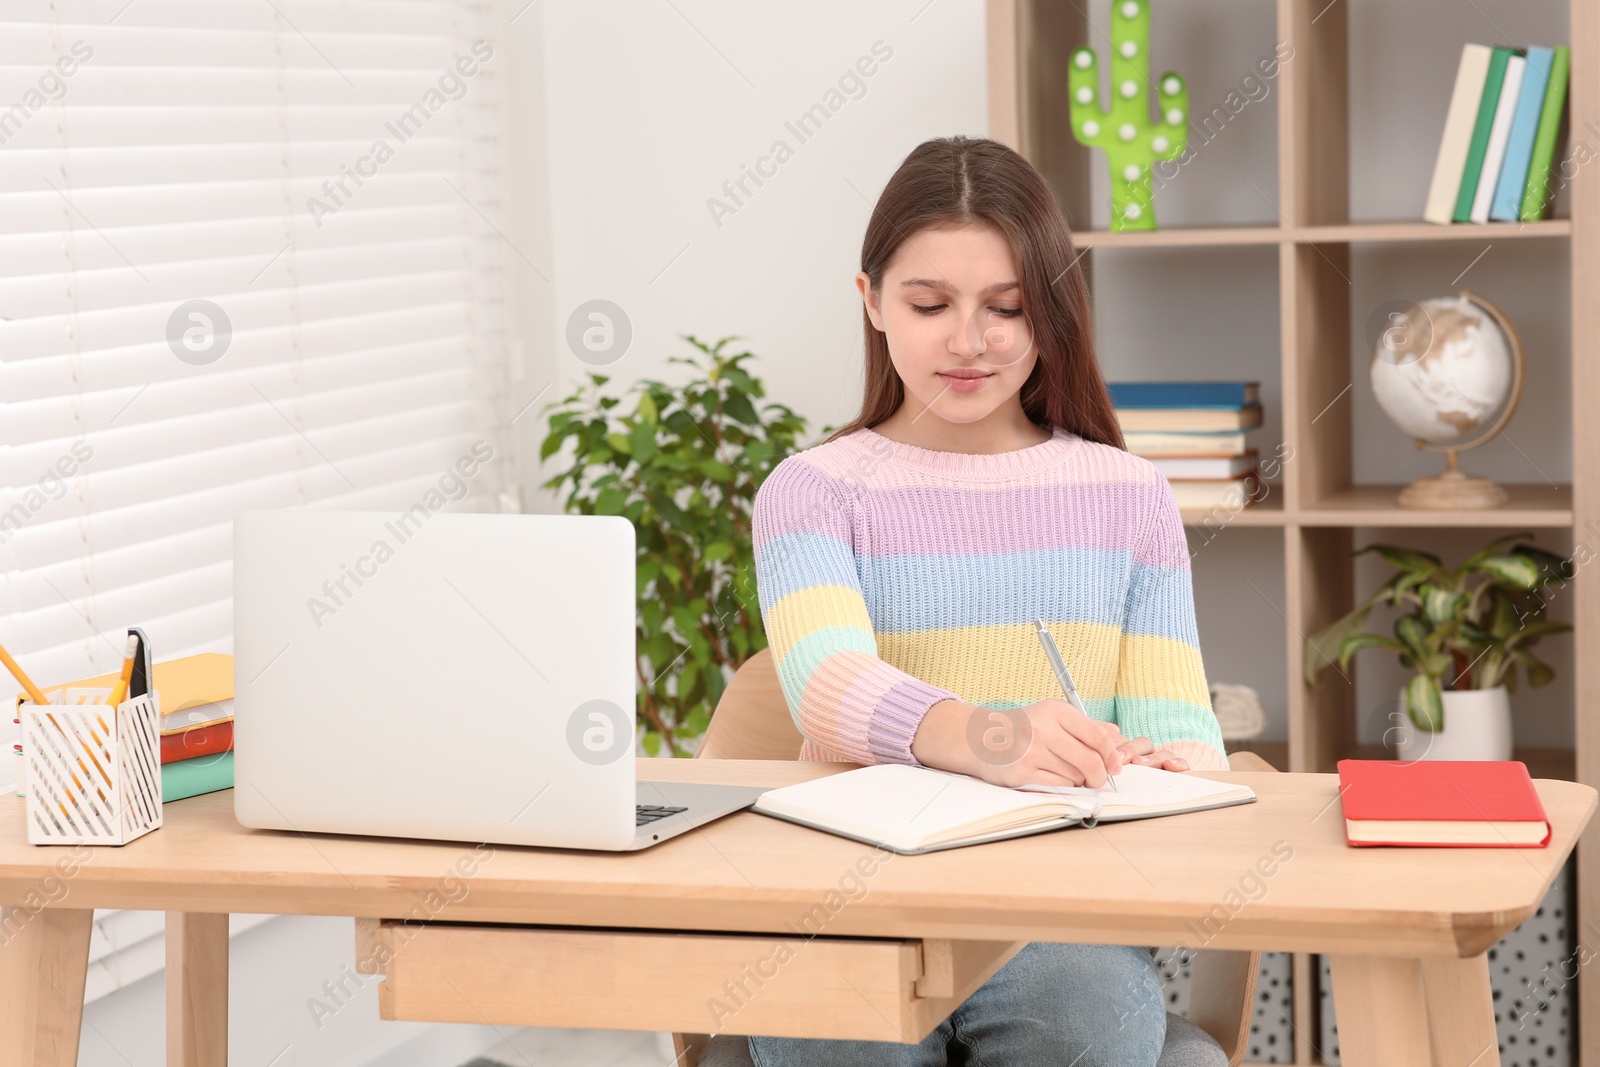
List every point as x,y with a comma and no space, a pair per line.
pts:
455,676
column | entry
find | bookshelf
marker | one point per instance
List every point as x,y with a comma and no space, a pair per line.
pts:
1191,236
1318,506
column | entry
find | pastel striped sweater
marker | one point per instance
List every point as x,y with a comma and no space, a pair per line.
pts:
891,577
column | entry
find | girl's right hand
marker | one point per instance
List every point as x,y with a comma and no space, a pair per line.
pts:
1046,743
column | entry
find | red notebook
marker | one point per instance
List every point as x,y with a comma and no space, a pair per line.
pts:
201,741
1441,803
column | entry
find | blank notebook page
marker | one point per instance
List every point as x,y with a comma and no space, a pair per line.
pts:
918,800
1144,788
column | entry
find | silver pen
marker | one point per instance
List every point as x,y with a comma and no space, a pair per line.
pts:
1059,665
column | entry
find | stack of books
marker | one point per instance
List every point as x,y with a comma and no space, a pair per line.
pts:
195,695
196,725
1499,135
1194,432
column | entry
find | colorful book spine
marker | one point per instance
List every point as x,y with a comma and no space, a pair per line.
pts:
1183,394
192,777
1513,181
1457,136
1535,196
1481,129
1499,135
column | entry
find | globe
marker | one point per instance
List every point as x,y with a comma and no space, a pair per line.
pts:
1443,373
1448,372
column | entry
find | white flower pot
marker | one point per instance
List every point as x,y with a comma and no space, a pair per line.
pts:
1477,726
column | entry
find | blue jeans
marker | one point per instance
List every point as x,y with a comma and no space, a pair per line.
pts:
1051,1004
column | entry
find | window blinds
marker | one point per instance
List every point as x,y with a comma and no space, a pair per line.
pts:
248,258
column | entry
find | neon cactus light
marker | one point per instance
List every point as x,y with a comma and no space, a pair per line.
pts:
1132,143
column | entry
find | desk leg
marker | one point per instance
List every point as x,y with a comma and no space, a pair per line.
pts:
1382,1013
1460,1011
197,989
44,958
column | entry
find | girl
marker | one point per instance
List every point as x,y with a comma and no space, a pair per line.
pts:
900,564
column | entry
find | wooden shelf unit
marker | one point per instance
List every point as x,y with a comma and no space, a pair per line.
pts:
1531,506
1318,506
1343,233
1535,506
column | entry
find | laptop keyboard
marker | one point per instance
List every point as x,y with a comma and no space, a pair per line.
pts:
647,813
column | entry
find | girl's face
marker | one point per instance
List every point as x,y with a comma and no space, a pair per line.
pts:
951,308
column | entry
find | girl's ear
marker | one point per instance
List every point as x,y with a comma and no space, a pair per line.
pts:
870,299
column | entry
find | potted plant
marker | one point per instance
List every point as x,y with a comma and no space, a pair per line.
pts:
1465,631
683,466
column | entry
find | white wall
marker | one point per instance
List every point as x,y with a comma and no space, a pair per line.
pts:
660,104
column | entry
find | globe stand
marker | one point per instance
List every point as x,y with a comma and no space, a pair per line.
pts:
1451,490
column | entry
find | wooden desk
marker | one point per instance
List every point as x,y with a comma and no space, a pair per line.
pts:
1406,928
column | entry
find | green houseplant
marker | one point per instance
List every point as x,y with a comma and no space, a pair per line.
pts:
1468,627
683,466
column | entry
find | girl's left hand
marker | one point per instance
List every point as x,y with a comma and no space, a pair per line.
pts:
1143,751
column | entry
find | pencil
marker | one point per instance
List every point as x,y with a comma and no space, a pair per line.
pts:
127,672
35,694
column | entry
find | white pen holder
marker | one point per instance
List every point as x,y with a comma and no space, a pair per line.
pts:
92,773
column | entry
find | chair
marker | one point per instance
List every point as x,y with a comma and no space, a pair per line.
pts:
752,721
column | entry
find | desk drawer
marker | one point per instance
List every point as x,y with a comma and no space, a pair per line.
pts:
864,988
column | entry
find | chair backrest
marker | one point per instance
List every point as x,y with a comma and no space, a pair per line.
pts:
752,719
1248,761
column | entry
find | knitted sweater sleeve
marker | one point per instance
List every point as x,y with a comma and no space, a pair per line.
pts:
1161,683
842,696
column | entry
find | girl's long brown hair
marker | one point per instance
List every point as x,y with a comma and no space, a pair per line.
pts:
957,180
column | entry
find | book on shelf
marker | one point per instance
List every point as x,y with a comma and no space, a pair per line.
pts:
1494,153
1154,443
911,810
1506,205
1441,804
1188,419
1482,127
1184,394
1459,122
1535,196
1209,494
1206,467
1500,132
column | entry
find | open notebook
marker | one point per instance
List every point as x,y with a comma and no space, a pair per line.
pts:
911,810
